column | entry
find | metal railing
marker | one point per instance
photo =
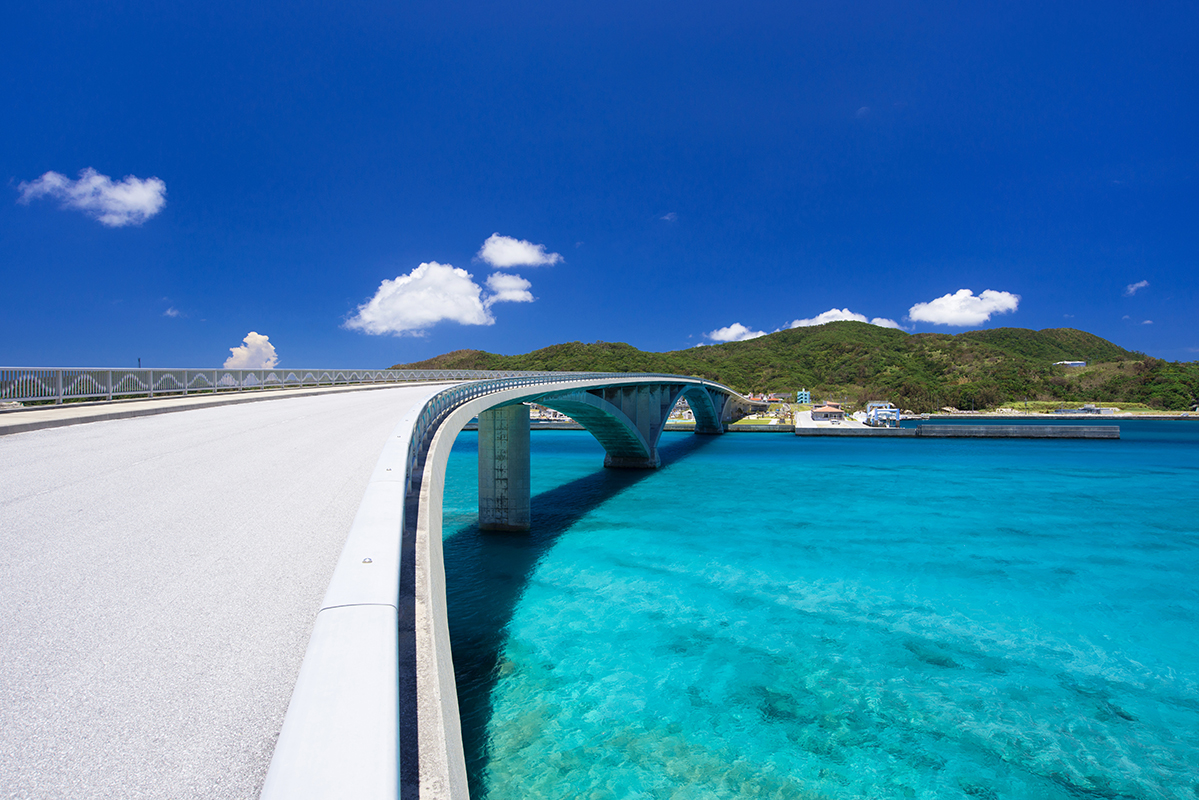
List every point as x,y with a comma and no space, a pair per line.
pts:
60,385
446,401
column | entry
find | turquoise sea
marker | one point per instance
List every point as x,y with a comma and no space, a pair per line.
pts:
775,617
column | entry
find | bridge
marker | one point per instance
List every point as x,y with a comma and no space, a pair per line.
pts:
162,575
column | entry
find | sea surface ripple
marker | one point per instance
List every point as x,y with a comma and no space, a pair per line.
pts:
774,617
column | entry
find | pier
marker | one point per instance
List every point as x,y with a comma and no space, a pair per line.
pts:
975,432
925,431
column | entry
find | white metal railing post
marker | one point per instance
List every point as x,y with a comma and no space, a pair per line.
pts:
58,386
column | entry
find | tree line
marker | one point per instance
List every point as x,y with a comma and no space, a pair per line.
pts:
862,362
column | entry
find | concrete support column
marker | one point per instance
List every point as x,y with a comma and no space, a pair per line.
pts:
504,469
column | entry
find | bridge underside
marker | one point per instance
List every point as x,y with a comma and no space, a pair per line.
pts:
627,421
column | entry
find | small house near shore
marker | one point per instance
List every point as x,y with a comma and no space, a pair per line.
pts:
830,412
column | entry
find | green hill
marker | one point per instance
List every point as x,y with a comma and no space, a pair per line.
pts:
862,362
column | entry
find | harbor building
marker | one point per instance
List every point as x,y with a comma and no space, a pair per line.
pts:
831,412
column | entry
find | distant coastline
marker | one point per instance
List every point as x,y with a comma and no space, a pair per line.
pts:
1092,418
857,362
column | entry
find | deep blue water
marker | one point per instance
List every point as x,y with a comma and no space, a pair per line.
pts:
776,617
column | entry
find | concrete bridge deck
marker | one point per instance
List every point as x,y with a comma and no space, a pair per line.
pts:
159,577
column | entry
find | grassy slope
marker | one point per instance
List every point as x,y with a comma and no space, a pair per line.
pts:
865,362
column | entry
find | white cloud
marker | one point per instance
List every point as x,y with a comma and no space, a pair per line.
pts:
1147,322
429,294
964,308
1132,288
737,332
503,252
507,289
863,112
840,314
434,293
670,216
256,353
172,312
130,201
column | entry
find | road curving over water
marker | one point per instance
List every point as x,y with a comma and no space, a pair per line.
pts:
336,741
165,633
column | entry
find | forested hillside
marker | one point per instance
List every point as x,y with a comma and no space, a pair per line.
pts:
862,362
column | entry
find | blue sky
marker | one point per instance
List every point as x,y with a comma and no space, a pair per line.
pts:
180,176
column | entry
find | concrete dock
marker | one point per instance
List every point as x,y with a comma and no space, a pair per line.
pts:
805,425
860,432
1020,431
975,432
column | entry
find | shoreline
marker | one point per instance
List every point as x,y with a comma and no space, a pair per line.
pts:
673,427
1181,415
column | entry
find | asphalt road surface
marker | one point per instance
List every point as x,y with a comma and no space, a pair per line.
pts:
159,578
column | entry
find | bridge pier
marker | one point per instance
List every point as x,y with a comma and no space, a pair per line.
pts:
504,469
634,462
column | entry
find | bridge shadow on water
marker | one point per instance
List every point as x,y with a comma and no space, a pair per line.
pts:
486,576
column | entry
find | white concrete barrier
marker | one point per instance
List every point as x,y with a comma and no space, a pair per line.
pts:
341,736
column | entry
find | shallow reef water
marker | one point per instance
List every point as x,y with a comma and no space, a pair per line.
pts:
775,617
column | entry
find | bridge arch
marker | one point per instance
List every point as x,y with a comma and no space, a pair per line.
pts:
627,420
710,408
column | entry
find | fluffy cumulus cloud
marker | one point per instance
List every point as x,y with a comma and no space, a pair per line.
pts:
737,332
1132,288
840,314
964,308
434,293
503,252
506,288
255,352
429,294
130,201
